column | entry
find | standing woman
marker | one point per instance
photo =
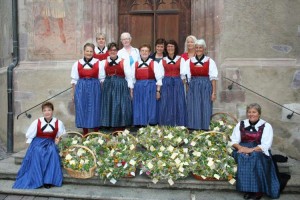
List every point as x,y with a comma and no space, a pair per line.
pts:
252,139
172,106
128,52
148,78
202,75
41,165
159,53
117,87
100,52
189,47
86,90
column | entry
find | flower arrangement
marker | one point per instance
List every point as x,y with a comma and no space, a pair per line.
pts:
68,139
223,122
165,163
80,162
117,158
166,135
211,156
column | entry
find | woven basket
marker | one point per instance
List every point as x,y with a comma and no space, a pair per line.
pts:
68,134
224,115
96,134
82,174
206,179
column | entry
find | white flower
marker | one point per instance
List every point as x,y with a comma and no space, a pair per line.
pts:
186,141
217,129
181,169
154,180
132,146
174,155
221,123
177,161
217,176
170,148
74,142
193,143
232,181
113,181
99,163
209,143
197,154
185,150
160,154
86,142
68,157
80,152
229,126
125,132
171,182
132,162
152,148
162,148
100,141
179,139
81,161
72,162
169,136
149,165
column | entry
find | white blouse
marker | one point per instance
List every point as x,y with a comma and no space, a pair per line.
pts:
32,130
127,70
97,51
182,65
213,71
158,70
266,139
134,52
74,72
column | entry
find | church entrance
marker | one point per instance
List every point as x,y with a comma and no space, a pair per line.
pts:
147,20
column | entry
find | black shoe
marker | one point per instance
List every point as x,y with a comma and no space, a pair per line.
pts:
258,195
248,195
47,186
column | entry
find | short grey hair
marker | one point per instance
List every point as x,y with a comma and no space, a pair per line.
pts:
201,42
125,34
98,35
256,106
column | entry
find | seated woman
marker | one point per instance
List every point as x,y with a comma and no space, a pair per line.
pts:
41,164
252,139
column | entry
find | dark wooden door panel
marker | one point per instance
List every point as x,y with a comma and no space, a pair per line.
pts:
168,27
141,29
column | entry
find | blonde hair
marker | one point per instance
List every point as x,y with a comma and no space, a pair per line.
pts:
185,43
98,35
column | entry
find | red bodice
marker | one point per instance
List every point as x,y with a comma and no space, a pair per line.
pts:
101,56
50,135
251,136
199,70
88,73
172,69
144,73
115,70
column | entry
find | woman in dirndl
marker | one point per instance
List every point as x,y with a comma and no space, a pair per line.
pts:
41,165
148,80
202,75
85,82
252,139
172,105
100,51
117,87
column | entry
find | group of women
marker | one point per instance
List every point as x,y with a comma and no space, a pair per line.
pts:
130,86
118,88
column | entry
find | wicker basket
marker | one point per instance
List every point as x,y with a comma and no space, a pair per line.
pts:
206,179
68,134
97,134
225,117
82,174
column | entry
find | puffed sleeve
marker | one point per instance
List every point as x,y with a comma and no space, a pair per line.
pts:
128,73
266,139
102,74
74,73
31,131
188,70
161,66
213,70
159,73
236,135
61,129
182,69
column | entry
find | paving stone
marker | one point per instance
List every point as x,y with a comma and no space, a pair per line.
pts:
3,196
14,197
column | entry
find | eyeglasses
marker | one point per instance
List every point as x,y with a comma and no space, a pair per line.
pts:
125,39
114,50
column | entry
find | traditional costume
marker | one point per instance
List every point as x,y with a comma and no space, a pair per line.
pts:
100,54
147,75
86,77
172,105
200,73
132,57
41,164
116,107
256,171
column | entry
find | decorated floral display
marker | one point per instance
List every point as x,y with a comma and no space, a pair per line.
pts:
165,163
79,158
211,156
117,157
67,140
223,122
158,135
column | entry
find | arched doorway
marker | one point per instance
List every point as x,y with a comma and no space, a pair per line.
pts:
148,20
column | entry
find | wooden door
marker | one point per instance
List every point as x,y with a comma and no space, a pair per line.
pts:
147,20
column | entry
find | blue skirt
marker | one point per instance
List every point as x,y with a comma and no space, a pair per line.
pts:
144,102
116,105
87,103
172,105
256,173
41,165
199,104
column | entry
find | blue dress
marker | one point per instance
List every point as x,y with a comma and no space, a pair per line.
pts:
87,97
256,171
41,164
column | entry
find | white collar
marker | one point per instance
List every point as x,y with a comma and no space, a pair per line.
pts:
258,124
117,61
97,50
175,60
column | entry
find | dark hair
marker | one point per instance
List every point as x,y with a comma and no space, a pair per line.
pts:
160,41
145,45
173,42
47,104
111,45
89,45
